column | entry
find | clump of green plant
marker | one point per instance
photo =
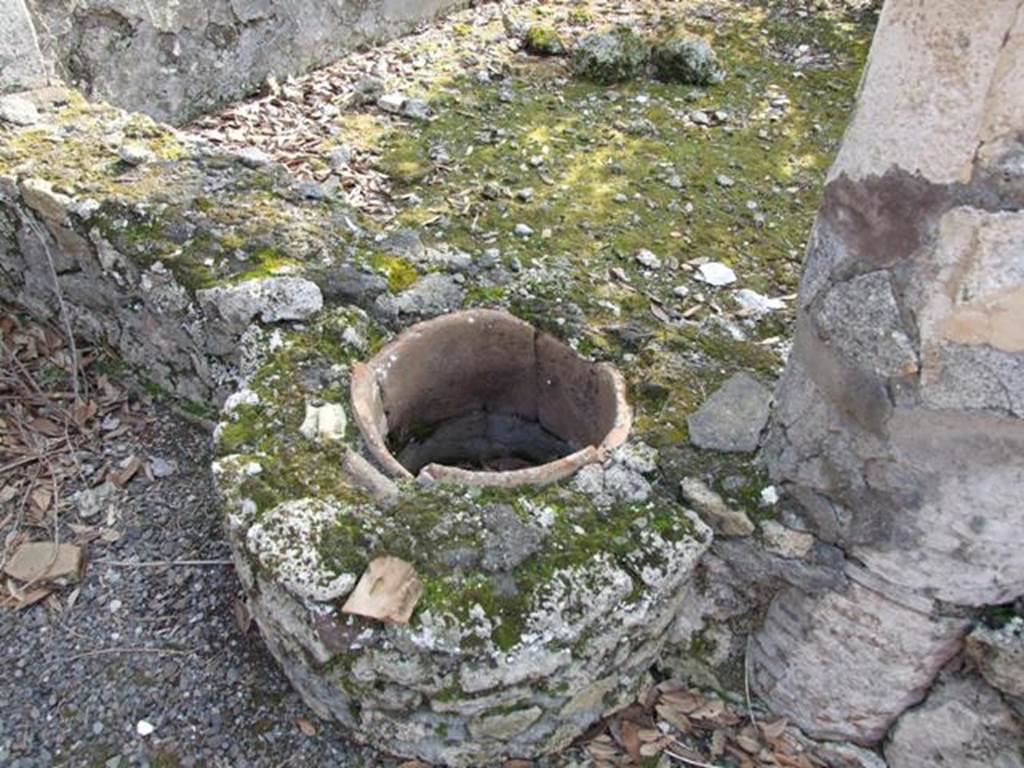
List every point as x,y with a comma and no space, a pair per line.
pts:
542,40
580,16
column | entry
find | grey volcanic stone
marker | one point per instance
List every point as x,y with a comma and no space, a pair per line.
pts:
841,754
405,243
785,542
508,541
999,656
962,723
429,296
720,516
417,109
271,299
621,478
733,417
21,63
611,57
891,653
348,284
863,323
686,59
135,153
18,110
391,102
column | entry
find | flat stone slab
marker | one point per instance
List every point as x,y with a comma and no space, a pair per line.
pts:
964,723
733,418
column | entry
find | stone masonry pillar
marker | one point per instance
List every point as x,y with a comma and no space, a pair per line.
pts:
899,426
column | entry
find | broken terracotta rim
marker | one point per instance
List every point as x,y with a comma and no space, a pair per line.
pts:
481,397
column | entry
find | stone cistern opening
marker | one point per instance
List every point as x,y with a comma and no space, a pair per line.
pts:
482,397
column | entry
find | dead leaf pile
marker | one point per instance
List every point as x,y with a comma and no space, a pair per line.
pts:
298,122
297,126
679,726
54,405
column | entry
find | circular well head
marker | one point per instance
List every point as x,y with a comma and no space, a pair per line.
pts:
483,398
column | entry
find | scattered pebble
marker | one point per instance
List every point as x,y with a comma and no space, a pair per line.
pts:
90,502
135,153
391,102
339,158
252,157
647,259
785,542
733,418
716,513
18,110
417,109
144,728
161,467
756,303
715,273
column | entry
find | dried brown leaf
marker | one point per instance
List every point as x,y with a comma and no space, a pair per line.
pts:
709,710
602,751
307,728
774,729
40,498
46,427
44,561
674,717
630,739
110,535
683,701
18,598
652,748
649,734
716,746
747,743
122,476
243,618
82,413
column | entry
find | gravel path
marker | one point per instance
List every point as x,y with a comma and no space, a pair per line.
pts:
160,644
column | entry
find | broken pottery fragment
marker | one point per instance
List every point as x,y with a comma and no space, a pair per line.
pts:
388,591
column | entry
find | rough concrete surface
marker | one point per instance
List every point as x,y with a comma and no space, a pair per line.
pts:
177,60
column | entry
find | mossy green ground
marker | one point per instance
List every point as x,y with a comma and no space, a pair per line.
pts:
602,193
253,225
